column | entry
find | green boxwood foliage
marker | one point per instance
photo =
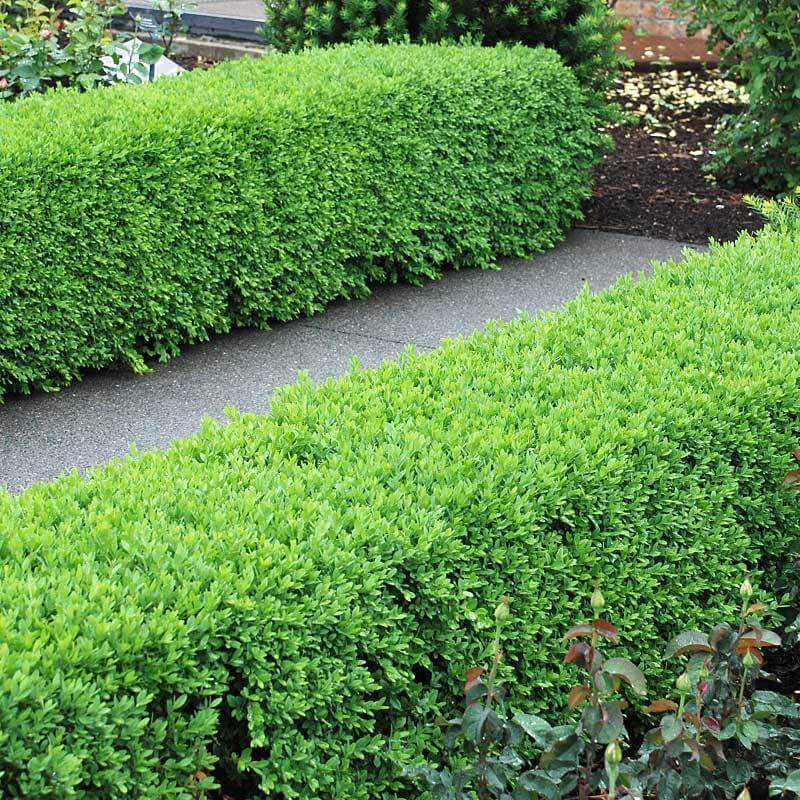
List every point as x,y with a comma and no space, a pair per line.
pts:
288,601
137,219
584,32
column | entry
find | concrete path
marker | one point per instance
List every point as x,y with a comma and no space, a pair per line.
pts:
45,434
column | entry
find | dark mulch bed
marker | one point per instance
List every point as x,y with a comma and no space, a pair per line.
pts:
193,62
653,183
785,666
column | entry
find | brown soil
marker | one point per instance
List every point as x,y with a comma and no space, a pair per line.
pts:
193,62
653,183
655,188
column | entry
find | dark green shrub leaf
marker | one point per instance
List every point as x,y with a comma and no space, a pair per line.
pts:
629,672
687,642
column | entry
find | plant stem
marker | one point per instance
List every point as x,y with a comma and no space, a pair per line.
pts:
742,687
484,745
583,789
698,699
742,624
743,616
496,654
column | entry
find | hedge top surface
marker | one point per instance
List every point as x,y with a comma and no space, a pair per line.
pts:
70,119
293,597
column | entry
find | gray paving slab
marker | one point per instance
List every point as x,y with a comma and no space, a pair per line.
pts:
463,301
87,424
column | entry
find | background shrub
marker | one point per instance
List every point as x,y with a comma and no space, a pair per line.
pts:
136,219
762,145
286,601
584,32
40,50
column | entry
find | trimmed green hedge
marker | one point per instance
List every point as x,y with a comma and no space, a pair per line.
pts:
584,32
135,219
298,594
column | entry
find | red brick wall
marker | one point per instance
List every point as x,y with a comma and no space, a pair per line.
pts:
654,16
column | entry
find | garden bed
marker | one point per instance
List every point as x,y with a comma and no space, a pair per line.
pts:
654,182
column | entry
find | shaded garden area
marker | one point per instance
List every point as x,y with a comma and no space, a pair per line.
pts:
655,181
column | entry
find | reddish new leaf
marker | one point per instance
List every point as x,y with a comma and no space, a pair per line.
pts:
473,677
578,695
710,724
605,628
792,478
660,706
584,629
580,654
754,651
758,637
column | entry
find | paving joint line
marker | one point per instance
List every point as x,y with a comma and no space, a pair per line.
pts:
368,336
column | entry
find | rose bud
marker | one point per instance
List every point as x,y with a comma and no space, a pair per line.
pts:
598,601
501,613
613,753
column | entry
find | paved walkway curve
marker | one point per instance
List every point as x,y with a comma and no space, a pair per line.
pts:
86,424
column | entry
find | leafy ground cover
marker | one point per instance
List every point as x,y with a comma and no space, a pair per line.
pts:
44,46
655,182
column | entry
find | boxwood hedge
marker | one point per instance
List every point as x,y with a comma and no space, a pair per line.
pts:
288,601
135,219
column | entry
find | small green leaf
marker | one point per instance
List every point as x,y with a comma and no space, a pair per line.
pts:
671,727
150,53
